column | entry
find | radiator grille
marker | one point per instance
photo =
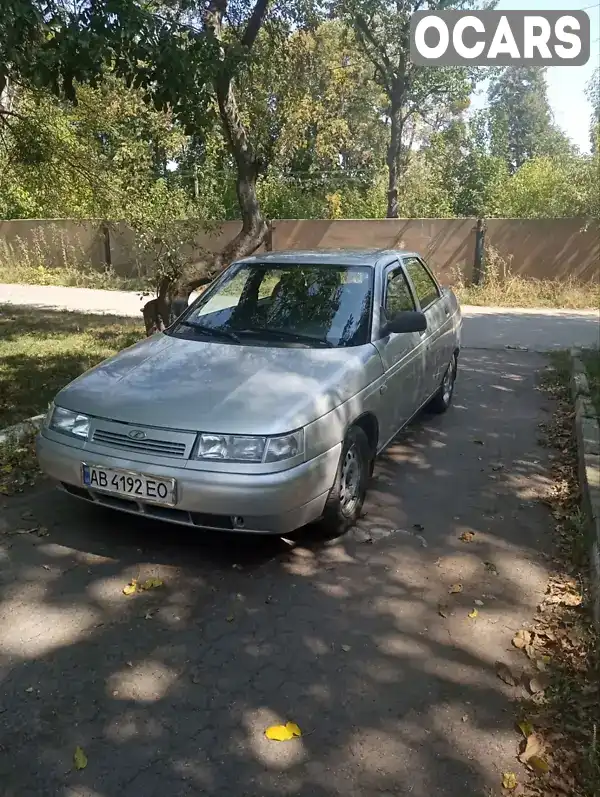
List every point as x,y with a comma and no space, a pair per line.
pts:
150,445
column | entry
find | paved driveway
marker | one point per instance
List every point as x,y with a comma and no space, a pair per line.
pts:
169,692
484,327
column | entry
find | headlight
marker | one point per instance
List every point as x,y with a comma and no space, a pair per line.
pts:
235,448
285,447
68,422
243,448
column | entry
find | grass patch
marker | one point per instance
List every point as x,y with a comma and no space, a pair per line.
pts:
42,350
71,276
502,288
18,464
563,718
591,361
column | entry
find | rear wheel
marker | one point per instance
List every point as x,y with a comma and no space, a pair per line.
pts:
347,496
443,398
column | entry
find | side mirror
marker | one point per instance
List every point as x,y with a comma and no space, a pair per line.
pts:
407,321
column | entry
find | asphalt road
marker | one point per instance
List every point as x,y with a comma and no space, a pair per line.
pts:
169,692
484,327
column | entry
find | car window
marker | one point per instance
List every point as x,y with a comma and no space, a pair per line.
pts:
398,297
425,288
312,305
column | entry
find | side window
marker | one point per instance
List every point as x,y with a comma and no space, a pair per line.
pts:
398,297
425,288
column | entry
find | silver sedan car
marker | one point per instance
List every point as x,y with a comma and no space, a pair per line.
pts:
263,406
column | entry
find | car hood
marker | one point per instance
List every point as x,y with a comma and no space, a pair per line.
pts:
216,387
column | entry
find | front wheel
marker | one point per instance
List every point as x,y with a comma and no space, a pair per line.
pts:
346,498
443,398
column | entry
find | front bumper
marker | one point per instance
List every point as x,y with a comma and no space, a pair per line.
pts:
273,503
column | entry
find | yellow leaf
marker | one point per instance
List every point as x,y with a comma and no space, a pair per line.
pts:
473,614
537,763
533,748
525,727
521,639
151,583
509,780
130,588
455,588
467,536
79,758
283,733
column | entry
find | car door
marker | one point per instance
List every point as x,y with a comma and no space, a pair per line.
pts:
437,342
402,355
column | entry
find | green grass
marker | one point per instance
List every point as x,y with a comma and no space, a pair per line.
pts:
68,275
591,360
43,350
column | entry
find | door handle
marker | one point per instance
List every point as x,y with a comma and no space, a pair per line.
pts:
382,388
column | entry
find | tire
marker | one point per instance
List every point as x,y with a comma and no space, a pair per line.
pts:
443,398
346,498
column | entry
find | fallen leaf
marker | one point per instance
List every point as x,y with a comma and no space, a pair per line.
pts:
150,583
478,603
473,614
491,568
538,684
149,615
79,758
538,764
130,588
531,652
455,588
29,689
283,733
521,639
230,618
346,648
505,674
533,747
467,536
443,609
42,531
525,727
465,717
46,567
509,780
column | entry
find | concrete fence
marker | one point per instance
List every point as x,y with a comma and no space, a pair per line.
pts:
542,248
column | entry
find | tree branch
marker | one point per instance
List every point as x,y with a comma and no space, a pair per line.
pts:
378,58
255,23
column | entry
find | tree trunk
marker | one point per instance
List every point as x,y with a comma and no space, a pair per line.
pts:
173,299
394,154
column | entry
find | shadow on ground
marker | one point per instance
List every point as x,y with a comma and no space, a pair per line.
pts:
169,692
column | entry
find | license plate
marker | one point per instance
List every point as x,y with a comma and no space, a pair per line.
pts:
130,484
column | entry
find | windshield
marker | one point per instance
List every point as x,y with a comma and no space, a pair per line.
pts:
288,305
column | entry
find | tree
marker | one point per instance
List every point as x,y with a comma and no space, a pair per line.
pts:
520,123
593,95
185,56
413,92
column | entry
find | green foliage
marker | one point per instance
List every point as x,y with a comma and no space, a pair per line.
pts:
520,124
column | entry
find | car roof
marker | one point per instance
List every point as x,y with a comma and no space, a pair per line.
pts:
332,257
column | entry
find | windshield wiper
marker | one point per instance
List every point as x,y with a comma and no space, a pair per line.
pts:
215,333
279,334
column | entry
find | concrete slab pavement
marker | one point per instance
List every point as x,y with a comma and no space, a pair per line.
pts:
484,327
169,692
